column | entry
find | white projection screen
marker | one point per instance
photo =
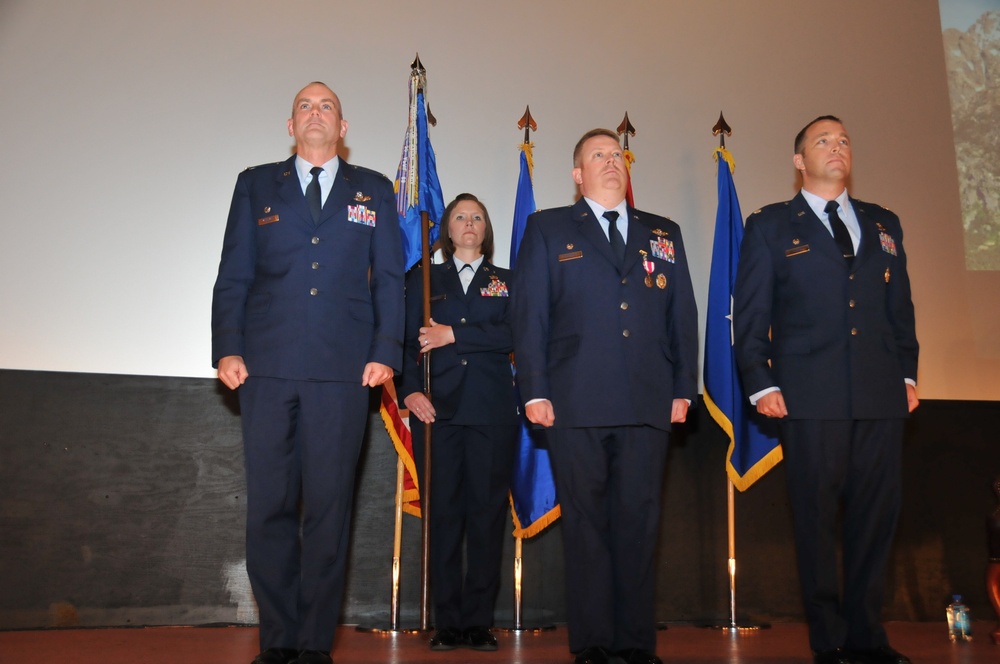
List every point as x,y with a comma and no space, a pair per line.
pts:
124,125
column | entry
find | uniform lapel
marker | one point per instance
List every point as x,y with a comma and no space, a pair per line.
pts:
591,229
484,275
638,239
450,281
808,228
340,195
290,191
869,234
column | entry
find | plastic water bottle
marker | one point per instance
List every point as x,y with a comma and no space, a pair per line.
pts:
959,625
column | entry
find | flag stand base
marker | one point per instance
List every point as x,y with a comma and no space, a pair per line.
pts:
387,629
735,628
525,630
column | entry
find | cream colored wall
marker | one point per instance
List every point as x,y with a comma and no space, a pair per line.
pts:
123,126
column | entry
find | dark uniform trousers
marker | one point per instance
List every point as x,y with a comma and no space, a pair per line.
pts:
479,461
313,430
857,464
609,481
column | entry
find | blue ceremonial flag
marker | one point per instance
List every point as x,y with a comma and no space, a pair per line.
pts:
417,186
532,489
417,189
752,450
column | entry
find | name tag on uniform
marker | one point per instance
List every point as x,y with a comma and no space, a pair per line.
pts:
573,255
267,220
795,251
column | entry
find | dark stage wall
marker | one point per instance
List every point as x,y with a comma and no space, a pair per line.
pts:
122,499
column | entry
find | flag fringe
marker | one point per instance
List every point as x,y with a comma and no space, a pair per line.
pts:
727,156
392,420
527,148
538,525
756,471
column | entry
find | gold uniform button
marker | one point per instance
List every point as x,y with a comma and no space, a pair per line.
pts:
315,240
464,362
624,280
624,306
313,291
626,333
854,331
462,321
851,277
315,266
851,303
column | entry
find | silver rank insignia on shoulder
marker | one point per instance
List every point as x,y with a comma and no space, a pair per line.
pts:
800,214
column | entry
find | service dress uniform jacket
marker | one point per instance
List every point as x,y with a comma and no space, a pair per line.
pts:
307,305
598,342
838,338
473,437
295,298
471,379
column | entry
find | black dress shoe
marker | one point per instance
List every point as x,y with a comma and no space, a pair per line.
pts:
313,657
592,655
276,656
480,638
838,656
880,655
447,639
638,656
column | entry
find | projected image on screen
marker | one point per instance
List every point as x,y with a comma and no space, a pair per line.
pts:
971,35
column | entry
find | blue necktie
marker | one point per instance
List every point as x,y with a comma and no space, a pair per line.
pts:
314,195
615,236
840,234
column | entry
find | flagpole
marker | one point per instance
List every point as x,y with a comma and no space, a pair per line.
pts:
425,498
397,546
722,129
527,123
626,129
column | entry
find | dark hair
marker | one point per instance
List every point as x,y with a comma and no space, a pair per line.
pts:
447,245
586,137
801,136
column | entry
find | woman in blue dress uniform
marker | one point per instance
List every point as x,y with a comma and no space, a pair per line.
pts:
474,417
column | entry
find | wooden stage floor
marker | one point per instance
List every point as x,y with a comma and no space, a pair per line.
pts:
782,643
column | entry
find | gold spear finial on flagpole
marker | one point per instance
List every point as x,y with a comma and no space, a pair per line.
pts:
721,129
627,129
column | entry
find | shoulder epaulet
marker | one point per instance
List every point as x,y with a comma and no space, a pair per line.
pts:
864,204
369,171
271,163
